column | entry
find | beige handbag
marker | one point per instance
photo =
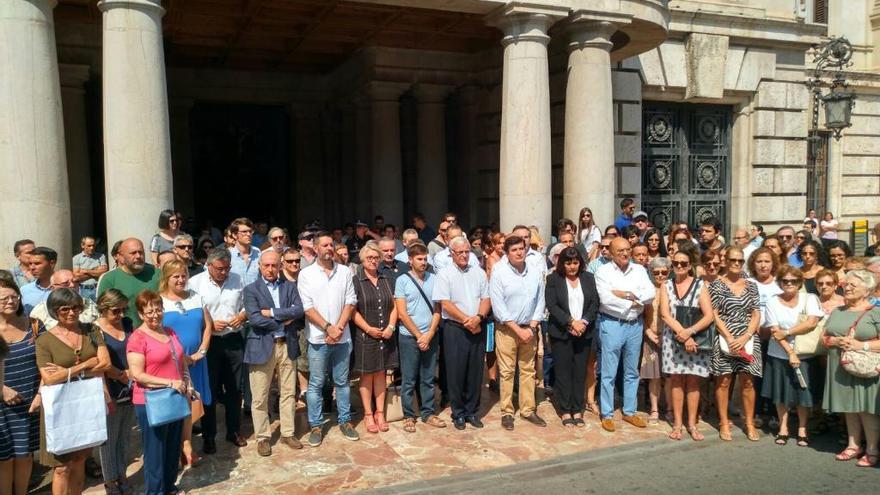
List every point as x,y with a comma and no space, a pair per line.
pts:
810,344
393,405
860,363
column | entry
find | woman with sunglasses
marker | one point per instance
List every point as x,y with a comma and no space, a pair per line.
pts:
184,312
650,364
163,240
787,375
69,349
588,234
116,328
814,260
684,364
710,266
737,313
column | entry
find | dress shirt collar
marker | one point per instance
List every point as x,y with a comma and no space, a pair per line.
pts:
269,284
625,270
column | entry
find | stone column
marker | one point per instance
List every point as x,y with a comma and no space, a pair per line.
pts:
33,165
524,171
589,122
432,195
181,153
386,175
137,145
79,173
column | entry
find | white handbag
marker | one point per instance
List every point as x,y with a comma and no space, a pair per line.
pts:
75,415
749,349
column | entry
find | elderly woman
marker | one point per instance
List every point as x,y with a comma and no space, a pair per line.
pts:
185,314
857,398
735,305
659,269
572,303
163,240
68,349
683,362
156,360
814,260
787,375
375,343
20,381
116,328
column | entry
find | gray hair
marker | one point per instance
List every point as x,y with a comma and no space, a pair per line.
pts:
182,237
459,240
660,263
369,246
218,253
62,297
873,260
386,239
866,279
412,233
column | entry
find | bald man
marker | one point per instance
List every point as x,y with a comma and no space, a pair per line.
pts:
64,279
133,276
624,291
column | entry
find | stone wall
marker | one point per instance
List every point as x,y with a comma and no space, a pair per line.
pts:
859,164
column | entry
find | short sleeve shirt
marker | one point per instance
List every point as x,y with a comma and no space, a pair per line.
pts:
84,262
784,317
158,360
416,306
464,288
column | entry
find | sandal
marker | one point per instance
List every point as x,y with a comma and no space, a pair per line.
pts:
782,439
654,417
675,434
724,432
379,416
568,423
371,424
868,460
752,433
803,441
409,425
849,454
695,434
593,407
579,421
93,469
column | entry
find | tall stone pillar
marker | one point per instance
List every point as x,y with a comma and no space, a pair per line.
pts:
386,175
181,155
137,145
432,192
79,174
33,165
589,122
524,171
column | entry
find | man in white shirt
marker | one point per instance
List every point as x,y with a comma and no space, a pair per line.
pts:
443,258
517,293
624,291
327,293
221,293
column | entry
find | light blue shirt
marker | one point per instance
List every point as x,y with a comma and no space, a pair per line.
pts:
416,307
463,288
248,271
596,263
517,296
402,256
444,258
276,299
33,294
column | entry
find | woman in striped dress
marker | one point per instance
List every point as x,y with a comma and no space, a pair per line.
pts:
19,429
736,305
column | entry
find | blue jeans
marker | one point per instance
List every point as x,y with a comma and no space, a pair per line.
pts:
90,292
619,340
162,446
417,366
337,357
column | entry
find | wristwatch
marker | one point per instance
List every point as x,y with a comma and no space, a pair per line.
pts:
326,326
481,317
865,346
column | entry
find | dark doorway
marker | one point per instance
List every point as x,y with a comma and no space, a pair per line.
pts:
241,162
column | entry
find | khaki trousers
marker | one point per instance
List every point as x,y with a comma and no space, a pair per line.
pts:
260,377
511,352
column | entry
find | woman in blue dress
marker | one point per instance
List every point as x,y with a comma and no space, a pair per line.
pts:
19,429
185,314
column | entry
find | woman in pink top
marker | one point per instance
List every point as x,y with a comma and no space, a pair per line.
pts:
152,365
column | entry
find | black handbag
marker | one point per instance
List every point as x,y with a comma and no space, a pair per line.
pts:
688,316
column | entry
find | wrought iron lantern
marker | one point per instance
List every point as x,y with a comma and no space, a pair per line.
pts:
835,53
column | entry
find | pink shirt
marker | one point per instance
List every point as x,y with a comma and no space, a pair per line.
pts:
158,360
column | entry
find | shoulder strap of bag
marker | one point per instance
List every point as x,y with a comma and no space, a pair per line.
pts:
419,287
852,329
691,292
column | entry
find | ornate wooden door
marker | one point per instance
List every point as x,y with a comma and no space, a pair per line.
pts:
685,163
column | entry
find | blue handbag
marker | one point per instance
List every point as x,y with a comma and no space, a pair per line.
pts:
166,405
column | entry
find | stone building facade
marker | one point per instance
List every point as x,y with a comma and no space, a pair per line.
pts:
520,112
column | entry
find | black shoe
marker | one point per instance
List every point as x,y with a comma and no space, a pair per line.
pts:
458,423
474,421
534,419
209,447
507,422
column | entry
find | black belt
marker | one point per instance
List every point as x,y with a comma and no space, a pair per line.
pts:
619,320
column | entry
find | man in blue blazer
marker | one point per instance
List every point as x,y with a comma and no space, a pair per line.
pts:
272,305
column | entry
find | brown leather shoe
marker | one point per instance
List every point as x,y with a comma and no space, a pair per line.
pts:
292,442
608,424
637,421
263,448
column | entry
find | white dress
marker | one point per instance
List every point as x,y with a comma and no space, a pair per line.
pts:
677,361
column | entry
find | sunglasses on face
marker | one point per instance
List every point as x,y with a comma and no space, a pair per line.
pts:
69,309
785,237
825,284
278,238
292,260
681,264
662,273
711,264
187,247
736,261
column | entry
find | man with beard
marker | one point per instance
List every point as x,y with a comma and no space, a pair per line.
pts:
133,276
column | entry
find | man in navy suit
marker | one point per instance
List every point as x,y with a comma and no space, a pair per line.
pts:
272,305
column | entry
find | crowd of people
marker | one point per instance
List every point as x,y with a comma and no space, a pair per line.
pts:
259,323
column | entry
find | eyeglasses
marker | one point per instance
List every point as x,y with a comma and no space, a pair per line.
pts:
825,284
711,264
292,260
789,281
70,309
737,261
681,264
10,299
459,253
117,311
371,258
277,238
605,246
785,237
154,313
663,273
800,237
187,247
